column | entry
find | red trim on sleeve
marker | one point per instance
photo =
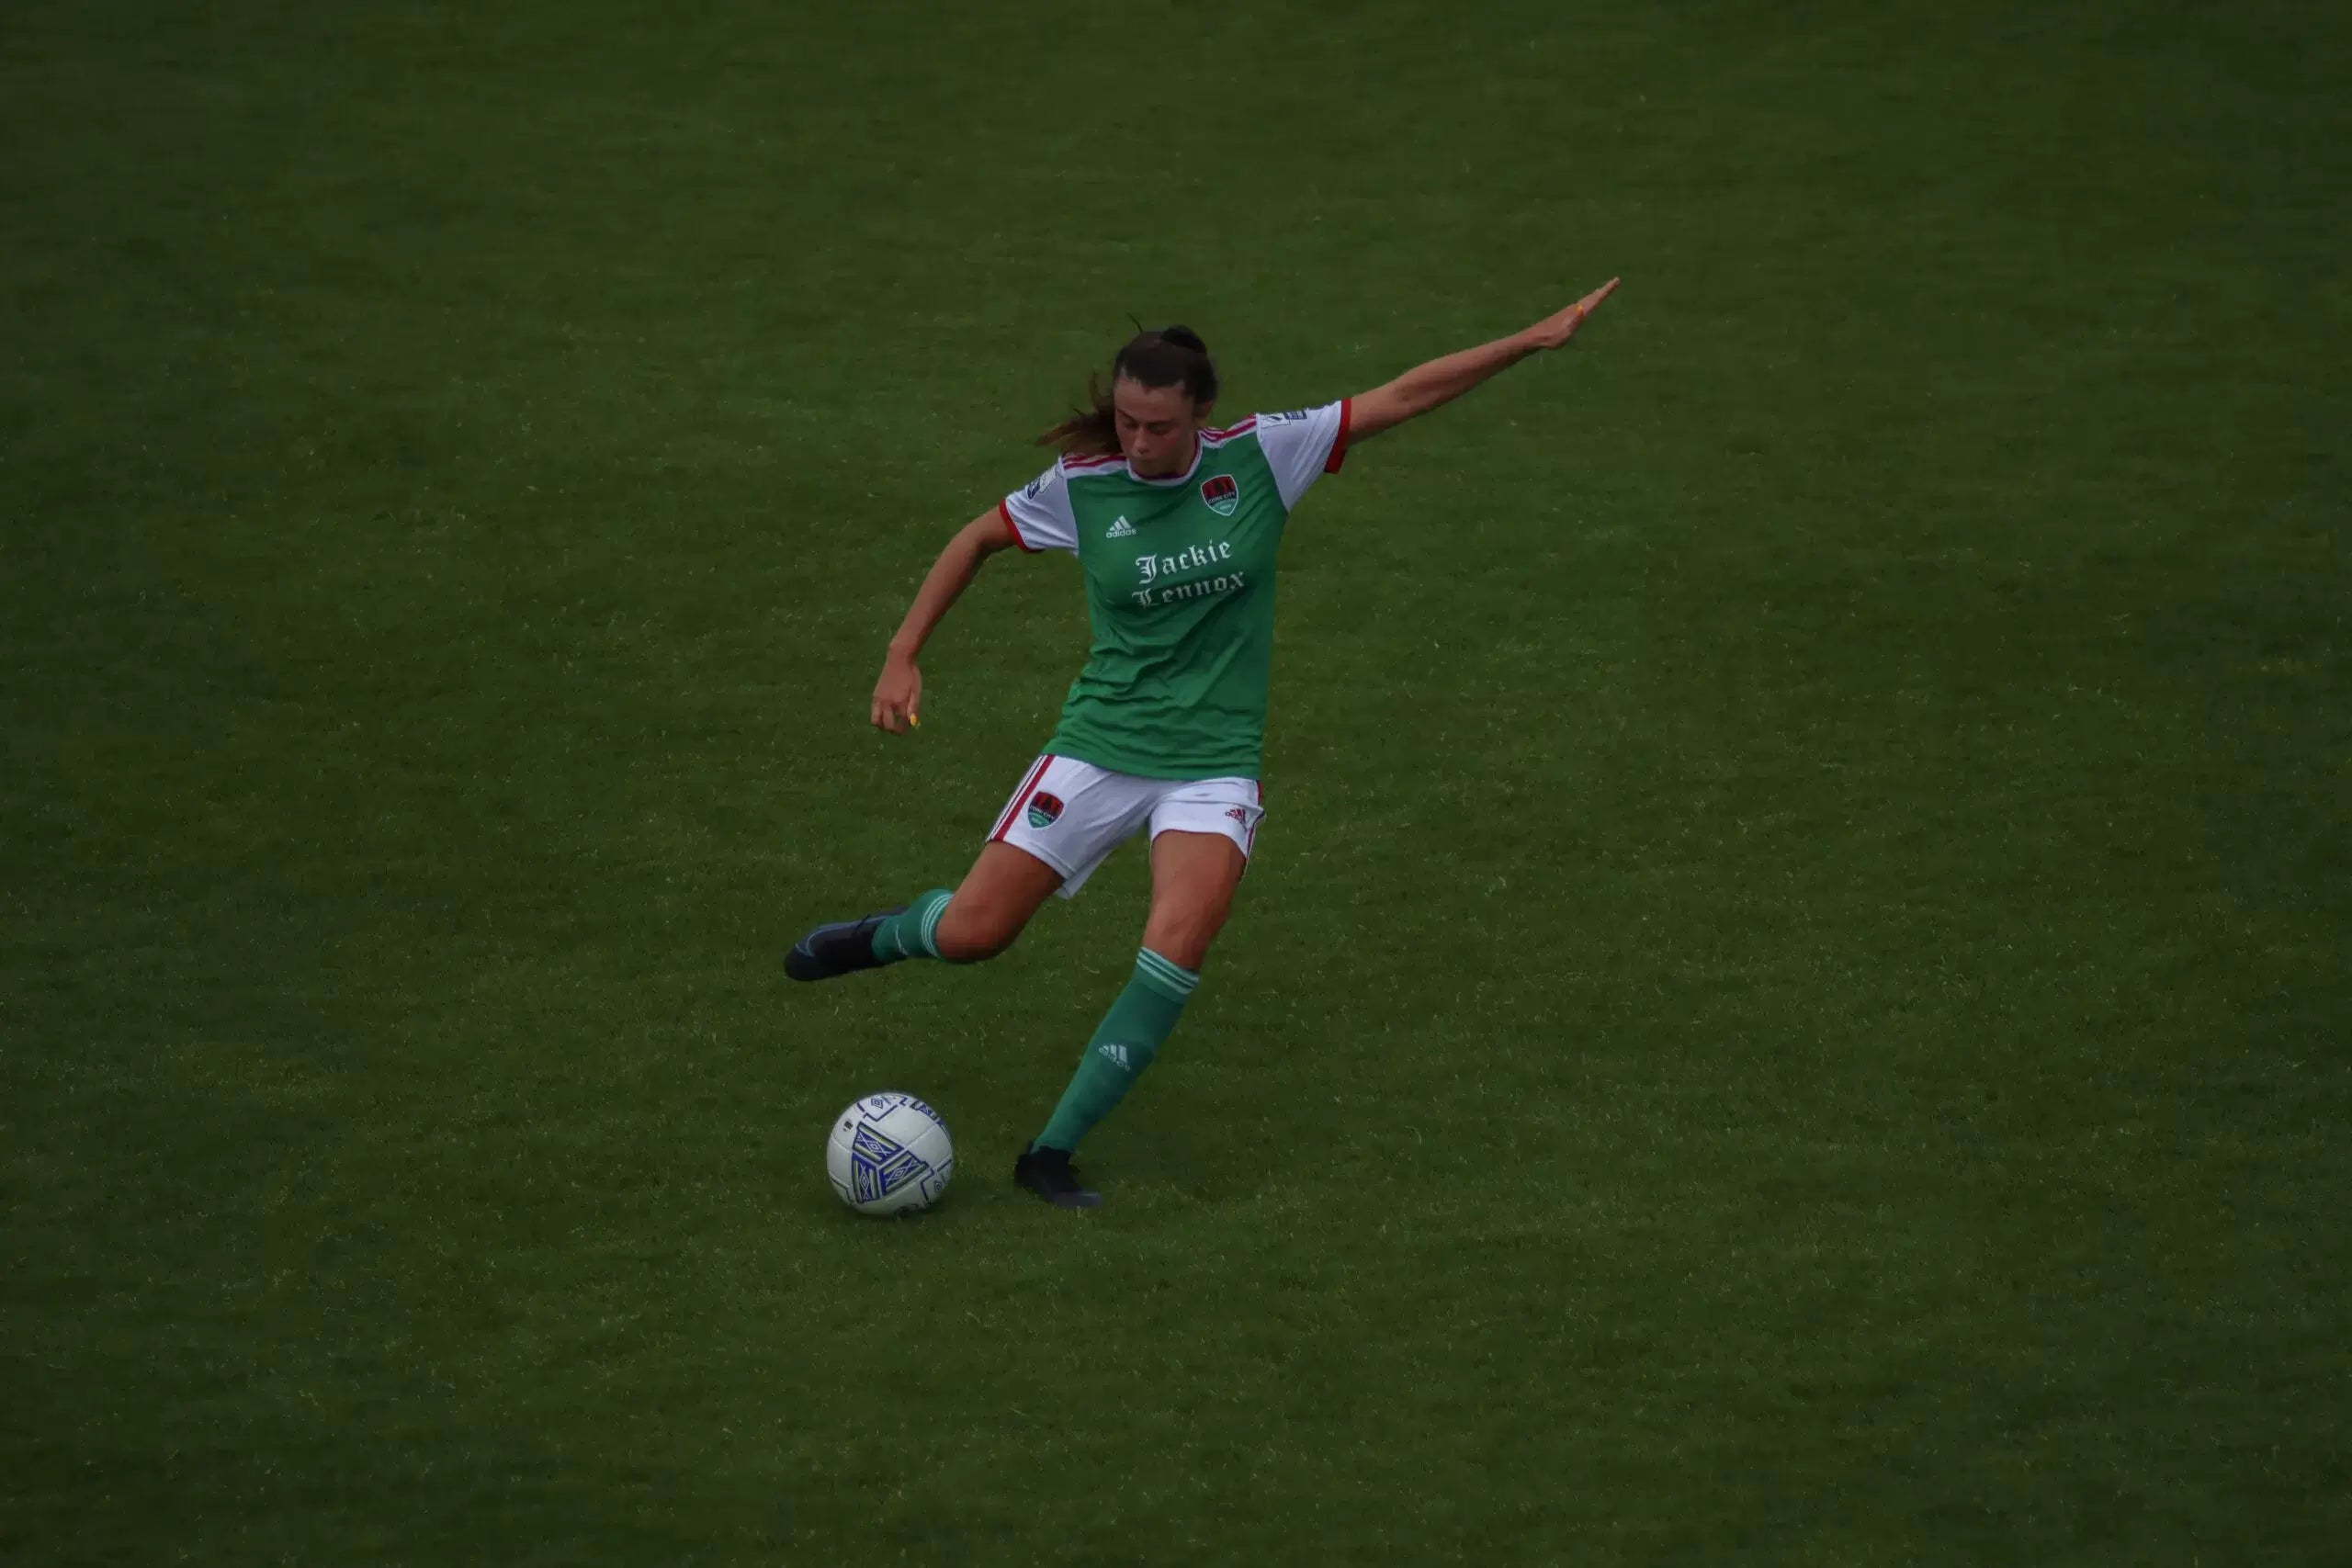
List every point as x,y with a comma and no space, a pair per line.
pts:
1014,528
1339,442
1021,798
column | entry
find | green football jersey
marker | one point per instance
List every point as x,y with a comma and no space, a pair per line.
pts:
1180,592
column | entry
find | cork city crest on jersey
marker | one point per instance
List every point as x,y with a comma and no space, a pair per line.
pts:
1045,809
1222,494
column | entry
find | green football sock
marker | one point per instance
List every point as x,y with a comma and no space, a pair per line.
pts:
1124,1044
907,935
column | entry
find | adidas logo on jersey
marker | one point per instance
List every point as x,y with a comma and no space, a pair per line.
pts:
1121,529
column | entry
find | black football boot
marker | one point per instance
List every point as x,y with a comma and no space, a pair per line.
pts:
1048,1174
842,948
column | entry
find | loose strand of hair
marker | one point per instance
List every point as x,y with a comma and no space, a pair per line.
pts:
1090,433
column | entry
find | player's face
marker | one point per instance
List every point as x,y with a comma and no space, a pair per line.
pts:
1156,426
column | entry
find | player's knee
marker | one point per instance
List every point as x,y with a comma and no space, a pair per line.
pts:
1183,941
969,931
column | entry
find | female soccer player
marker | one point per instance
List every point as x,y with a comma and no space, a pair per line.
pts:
1175,526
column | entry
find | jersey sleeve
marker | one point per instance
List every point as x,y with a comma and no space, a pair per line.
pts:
1303,446
1038,514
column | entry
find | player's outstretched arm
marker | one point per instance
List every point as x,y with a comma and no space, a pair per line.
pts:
1425,387
898,696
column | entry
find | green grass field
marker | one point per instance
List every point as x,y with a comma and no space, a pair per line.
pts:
1793,1003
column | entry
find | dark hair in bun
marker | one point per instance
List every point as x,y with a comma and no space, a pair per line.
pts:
1172,356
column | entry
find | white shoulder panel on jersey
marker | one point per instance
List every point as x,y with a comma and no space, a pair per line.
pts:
1303,445
1039,514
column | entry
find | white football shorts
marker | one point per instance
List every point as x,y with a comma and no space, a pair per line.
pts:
1071,815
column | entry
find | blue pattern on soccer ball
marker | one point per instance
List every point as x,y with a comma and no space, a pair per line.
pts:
879,1166
880,1105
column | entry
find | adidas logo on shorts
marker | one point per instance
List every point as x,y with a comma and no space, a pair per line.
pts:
1121,529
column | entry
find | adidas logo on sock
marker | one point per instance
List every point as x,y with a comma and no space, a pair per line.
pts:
1121,529
1117,1054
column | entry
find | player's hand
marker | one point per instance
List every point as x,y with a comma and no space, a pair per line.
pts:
898,696
1554,330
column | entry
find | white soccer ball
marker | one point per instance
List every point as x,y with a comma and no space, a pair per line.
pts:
890,1155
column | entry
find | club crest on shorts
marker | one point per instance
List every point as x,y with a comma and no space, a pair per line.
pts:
1222,494
1045,810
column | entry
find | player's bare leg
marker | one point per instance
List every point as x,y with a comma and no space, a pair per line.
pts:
1193,879
1194,876
1005,889
979,920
